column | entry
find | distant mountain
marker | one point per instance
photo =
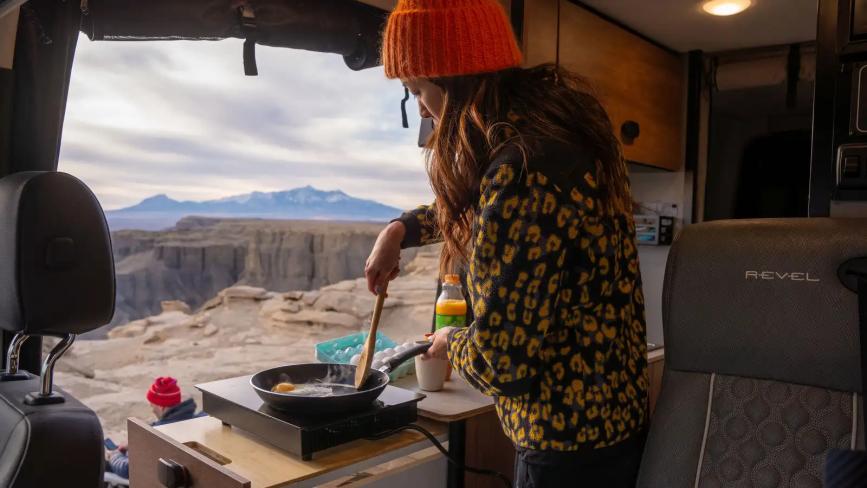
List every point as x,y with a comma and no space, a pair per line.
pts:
306,203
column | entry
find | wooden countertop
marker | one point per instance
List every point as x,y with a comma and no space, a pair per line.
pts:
459,401
656,355
266,466
456,401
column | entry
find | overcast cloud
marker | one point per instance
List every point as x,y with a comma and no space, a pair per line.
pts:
180,118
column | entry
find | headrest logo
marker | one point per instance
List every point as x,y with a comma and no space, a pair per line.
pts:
778,276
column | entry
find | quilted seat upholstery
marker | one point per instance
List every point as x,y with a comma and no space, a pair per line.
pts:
762,375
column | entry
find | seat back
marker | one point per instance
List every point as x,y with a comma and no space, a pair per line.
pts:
56,278
56,266
762,370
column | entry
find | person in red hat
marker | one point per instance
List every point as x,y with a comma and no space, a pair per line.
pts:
164,396
532,202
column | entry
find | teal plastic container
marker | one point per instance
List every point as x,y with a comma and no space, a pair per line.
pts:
335,351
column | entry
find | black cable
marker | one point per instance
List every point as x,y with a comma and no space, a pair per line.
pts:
485,472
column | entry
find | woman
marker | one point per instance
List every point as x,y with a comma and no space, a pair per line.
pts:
533,201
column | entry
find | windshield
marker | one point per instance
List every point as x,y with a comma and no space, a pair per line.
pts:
242,211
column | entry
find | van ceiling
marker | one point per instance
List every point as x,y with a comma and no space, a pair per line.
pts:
683,26
383,4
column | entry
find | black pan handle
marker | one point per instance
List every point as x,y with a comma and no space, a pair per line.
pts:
420,347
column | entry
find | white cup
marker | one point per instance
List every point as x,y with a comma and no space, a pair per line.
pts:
431,373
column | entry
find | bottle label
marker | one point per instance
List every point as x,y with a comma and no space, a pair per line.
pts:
443,320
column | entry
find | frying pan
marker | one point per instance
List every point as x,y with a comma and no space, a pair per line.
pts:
342,374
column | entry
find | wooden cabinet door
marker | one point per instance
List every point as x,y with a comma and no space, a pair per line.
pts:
635,79
488,447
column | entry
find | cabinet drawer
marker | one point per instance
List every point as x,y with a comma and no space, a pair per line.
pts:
151,451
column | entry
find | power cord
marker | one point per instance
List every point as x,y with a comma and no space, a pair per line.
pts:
454,462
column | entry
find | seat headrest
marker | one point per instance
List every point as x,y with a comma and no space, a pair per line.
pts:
762,299
56,267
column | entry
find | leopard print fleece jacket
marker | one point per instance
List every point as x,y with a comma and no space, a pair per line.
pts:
559,335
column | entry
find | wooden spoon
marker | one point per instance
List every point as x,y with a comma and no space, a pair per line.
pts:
363,368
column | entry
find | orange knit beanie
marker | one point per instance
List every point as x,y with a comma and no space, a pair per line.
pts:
437,38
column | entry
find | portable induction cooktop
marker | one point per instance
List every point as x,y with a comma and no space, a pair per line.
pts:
234,402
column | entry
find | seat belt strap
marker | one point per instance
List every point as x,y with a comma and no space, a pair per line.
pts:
847,468
862,338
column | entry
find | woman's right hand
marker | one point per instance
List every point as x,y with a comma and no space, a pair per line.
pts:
383,264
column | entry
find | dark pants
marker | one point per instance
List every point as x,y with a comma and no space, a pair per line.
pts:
611,467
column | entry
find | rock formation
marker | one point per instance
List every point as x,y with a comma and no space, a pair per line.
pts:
243,329
200,257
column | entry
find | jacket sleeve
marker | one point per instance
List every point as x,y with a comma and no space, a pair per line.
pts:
119,464
519,250
421,226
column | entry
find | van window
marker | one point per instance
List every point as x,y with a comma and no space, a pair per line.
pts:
242,210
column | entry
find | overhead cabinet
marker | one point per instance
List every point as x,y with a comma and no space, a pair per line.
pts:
641,84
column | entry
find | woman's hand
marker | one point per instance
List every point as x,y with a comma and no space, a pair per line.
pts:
440,347
383,264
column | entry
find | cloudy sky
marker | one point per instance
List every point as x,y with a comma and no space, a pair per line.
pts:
180,118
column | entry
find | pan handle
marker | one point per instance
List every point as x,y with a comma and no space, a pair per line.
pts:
420,347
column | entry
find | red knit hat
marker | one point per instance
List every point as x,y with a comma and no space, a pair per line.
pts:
437,38
164,392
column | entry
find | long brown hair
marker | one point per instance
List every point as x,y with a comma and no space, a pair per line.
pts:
483,113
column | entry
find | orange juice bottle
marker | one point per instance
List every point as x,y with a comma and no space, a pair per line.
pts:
451,307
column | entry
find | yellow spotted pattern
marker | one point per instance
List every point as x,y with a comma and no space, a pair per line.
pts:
559,332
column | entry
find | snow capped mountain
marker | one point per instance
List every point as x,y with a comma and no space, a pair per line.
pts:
161,211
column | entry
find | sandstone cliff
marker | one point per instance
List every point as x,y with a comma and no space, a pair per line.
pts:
199,257
241,330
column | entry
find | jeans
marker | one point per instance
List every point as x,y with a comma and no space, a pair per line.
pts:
610,467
